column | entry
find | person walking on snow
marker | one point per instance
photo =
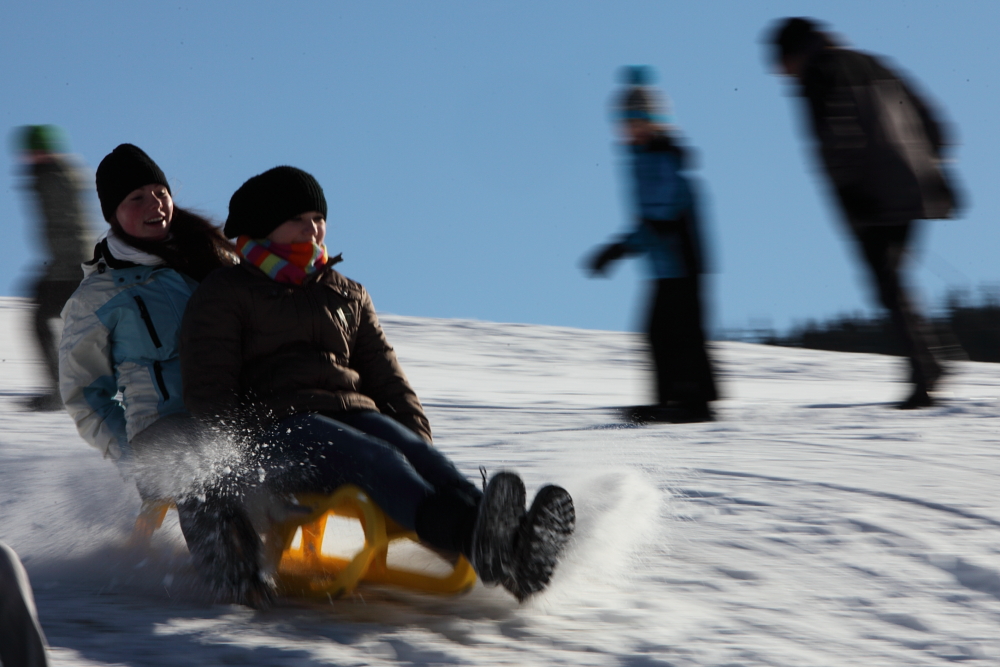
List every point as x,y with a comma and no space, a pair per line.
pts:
287,356
883,152
57,184
666,232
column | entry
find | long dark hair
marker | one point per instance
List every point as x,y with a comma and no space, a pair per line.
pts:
195,246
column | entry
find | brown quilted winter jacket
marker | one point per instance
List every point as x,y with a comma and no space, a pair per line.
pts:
254,351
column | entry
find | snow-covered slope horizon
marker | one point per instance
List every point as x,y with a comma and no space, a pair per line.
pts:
812,524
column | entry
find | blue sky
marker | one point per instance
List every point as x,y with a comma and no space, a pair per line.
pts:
466,149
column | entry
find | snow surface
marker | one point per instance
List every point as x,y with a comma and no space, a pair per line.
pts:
810,525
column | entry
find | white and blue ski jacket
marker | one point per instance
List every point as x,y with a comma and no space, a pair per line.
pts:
119,367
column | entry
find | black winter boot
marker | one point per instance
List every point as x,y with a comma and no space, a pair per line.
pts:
500,515
920,398
672,412
227,551
540,541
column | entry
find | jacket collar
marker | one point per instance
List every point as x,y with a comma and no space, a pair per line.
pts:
103,254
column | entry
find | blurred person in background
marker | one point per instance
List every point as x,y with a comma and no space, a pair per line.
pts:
667,232
22,643
882,150
57,184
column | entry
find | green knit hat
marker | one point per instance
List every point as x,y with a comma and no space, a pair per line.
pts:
48,138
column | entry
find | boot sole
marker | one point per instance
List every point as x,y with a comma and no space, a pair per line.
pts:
500,514
542,539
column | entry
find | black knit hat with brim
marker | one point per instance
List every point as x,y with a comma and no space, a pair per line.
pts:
267,200
123,170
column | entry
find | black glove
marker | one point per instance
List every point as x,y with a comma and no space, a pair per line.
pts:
606,254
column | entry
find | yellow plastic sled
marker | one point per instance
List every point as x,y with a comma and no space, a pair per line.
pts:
305,571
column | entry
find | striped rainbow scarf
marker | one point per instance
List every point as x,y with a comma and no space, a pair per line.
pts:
283,262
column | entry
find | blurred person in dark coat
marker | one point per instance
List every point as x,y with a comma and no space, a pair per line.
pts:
666,232
22,643
57,185
882,149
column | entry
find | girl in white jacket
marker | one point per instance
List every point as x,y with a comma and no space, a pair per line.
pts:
119,371
119,367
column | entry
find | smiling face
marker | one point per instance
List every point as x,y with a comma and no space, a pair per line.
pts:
308,227
146,212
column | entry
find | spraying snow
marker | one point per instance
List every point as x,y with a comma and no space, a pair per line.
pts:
810,525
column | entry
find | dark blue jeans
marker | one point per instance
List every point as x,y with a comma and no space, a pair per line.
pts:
312,453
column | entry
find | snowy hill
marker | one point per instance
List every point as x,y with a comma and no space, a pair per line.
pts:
811,525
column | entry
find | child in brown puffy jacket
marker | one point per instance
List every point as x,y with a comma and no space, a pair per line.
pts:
287,355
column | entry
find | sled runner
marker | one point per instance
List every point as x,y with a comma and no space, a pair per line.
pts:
304,570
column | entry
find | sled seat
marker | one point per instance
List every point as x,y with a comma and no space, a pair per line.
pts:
304,570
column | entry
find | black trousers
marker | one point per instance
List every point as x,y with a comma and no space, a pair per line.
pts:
884,250
677,338
50,296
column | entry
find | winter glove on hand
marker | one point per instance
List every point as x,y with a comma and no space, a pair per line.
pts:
607,254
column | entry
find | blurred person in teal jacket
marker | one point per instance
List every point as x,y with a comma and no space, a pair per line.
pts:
666,232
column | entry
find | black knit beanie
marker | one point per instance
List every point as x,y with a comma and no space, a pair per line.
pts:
123,170
267,200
